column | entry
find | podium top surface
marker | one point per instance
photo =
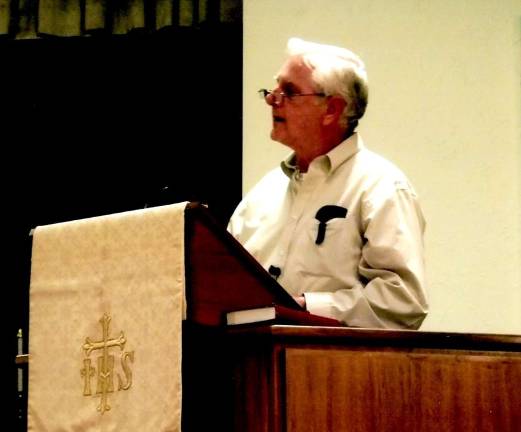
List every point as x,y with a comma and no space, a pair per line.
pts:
344,336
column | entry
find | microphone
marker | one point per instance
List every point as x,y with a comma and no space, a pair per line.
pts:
274,271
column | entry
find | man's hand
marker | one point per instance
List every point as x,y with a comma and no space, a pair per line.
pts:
301,300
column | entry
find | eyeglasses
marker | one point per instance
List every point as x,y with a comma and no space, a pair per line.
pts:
276,97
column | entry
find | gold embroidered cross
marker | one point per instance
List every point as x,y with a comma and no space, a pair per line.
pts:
105,363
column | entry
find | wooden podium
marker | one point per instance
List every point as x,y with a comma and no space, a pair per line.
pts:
298,378
220,275
304,379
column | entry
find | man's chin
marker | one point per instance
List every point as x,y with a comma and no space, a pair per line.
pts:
277,137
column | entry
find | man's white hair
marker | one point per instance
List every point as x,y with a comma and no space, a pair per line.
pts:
336,71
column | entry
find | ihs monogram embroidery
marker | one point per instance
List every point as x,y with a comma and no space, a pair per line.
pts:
105,365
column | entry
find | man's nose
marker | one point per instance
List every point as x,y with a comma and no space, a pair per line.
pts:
275,98
271,99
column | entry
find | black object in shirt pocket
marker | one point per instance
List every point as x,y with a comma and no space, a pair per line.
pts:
326,214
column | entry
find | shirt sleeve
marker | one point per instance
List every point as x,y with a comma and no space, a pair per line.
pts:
391,268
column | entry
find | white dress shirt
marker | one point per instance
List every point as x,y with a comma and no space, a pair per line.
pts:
369,269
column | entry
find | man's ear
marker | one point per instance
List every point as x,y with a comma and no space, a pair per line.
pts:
335,108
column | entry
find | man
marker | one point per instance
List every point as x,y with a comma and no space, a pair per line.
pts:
337,225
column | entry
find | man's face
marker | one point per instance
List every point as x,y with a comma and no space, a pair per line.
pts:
296,121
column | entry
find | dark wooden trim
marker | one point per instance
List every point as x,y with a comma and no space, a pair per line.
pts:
377,337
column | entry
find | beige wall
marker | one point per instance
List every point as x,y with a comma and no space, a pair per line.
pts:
445,106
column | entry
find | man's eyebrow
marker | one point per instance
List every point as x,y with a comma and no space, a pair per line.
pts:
283,82
286,85
289,85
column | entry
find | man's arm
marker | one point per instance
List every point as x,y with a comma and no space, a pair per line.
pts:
391,292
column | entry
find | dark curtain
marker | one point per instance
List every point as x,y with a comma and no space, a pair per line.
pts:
22,19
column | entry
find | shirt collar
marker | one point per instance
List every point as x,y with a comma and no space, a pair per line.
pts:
331,160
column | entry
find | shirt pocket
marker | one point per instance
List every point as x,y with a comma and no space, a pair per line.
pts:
334,228
332,251
338,253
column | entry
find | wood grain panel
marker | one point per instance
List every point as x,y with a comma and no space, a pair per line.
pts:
407,390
